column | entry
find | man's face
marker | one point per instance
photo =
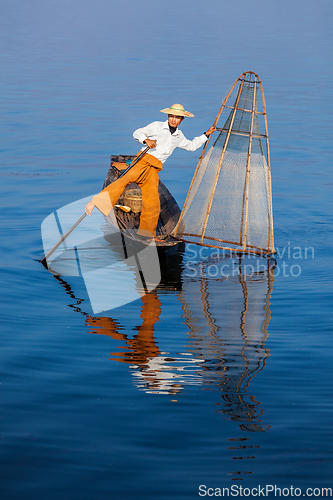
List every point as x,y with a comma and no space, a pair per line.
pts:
174,121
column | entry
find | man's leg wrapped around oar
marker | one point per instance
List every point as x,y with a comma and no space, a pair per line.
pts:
145,174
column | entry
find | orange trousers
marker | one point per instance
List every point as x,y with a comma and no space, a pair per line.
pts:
145,175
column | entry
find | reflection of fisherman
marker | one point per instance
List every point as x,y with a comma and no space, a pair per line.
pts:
154,371
142,346
162,138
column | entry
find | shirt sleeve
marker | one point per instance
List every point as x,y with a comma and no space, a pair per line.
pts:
196,143
141,134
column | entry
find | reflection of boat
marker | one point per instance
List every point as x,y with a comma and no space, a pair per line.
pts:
227,320
129,205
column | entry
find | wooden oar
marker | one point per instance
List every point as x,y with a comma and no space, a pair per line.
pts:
44,260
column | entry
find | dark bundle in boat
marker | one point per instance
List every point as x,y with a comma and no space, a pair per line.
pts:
129,220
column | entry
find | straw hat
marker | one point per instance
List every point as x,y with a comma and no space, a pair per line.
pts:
176,110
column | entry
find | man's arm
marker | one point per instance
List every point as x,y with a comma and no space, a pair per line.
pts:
197,142
141,134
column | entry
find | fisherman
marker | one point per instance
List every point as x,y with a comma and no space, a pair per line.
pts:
161,138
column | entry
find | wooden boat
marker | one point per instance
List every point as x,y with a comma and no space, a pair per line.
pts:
128,207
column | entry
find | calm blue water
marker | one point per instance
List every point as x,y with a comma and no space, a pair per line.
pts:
208,380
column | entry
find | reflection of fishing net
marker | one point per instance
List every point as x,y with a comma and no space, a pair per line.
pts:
228,316
229,204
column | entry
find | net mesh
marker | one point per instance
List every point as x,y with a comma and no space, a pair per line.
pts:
229,201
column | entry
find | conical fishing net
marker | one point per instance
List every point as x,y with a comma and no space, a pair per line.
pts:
229,204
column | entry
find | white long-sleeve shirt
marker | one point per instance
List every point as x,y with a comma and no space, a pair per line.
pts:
165,141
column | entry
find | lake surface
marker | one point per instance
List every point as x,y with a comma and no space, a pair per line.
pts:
209,380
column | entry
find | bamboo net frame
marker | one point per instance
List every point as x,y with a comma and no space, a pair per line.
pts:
229,202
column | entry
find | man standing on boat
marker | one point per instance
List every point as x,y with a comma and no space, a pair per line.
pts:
161,138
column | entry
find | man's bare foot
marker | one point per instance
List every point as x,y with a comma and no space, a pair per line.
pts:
89,207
